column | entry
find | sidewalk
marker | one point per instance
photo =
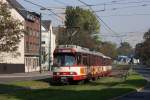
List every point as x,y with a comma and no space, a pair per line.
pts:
27,74
5,78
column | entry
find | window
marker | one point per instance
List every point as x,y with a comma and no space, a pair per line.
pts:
69,60
43,42
79,60
85,59
25,61
64,60
37,62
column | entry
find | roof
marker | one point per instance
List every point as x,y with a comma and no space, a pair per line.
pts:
21,10
46,24
81,49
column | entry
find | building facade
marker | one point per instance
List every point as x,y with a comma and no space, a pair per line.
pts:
28,48
32,42
48,44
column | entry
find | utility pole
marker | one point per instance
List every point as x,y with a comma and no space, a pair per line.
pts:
49,50
74,32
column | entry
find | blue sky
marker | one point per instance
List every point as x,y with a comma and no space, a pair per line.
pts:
128,18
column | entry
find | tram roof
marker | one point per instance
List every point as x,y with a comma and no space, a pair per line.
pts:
82,50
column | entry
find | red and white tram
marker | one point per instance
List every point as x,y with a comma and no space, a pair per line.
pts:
75,63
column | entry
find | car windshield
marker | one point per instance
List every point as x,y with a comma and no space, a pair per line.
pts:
64,59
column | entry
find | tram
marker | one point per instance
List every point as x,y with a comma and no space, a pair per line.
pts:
75,63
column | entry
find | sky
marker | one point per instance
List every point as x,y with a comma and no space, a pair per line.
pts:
128,19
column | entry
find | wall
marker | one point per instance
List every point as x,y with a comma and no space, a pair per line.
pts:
11,58
32,45
46,38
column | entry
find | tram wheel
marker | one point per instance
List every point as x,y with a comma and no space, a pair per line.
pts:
94,78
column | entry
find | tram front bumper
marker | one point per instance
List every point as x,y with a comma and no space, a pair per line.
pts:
68,78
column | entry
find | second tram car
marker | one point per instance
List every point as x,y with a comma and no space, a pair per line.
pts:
75,63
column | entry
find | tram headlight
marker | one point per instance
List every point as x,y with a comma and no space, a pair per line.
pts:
73,73
57,73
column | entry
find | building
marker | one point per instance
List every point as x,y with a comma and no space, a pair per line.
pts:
28,60
48,44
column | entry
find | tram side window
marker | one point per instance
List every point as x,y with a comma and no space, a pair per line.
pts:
85,60
88,60
101,61
104,62
79,60
92,60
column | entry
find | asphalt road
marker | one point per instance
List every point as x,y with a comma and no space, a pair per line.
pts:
143,94
6,78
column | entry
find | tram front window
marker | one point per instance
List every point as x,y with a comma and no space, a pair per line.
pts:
64,60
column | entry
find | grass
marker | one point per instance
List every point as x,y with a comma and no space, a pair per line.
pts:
103,89
121,66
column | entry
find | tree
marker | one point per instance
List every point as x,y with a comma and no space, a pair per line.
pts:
10,31
125,49
109,49
142,50
147,35
81,25
84,19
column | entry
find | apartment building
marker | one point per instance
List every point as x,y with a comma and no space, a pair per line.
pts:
28,60
48,44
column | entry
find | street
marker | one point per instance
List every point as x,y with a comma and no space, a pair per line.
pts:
5,78
143,94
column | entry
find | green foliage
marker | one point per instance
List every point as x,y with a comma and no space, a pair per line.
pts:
84,19
109,49
10,32
142,50
147,35
124,49
81,28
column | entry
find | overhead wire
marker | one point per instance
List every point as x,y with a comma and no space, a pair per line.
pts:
110,29
99,4
60,2
142,5
44,8
107,3
122,15
118,3
106,26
